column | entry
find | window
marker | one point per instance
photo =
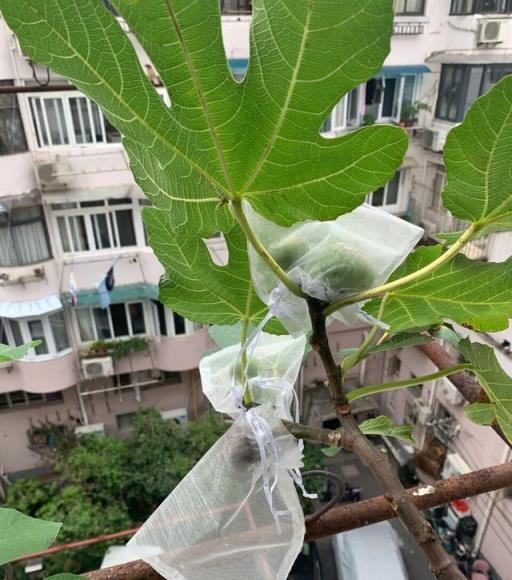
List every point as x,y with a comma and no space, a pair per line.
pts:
124,421
236,6
117,321
172,324
462,84
61,120
345,113
461,7
24,399
12,133
409,7
438,184
23,236
50,329
388,195
394,366
95,225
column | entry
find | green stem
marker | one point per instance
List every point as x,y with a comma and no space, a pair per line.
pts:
414,277
353,360
250,234
376,389
248,401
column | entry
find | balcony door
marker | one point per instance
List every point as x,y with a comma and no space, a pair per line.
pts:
392,97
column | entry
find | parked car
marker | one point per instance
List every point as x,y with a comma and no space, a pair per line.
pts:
369,553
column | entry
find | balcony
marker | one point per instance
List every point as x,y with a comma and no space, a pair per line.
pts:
236,7
408,28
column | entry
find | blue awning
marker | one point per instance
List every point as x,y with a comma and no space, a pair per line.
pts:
402,70
127,292
238,65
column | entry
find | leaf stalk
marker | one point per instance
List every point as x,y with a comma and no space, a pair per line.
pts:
405,383
236,205
414,277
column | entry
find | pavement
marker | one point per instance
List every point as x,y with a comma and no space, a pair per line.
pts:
354,472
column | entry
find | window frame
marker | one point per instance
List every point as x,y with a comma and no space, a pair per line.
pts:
406,12
12,105
49,338
41,219
44,400
462,98
476,5
88,215
389,207
41,126
331,125
113,337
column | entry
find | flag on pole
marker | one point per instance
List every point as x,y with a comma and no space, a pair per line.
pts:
104,287
73,290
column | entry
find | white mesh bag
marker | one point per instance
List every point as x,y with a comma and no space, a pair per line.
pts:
273,366
330,260
220,523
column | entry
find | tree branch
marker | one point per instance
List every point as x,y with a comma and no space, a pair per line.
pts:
442,565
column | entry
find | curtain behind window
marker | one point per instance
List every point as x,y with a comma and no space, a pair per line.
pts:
23,238
12,133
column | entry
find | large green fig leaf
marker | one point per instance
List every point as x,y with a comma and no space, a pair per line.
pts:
478,159
471,293
220,139
194,285
21,534
494,381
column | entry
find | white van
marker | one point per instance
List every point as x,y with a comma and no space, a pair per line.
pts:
369,553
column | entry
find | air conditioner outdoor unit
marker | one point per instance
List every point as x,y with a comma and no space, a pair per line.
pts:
454,465
49,176
97,368
434,140
450,393
491,32
94,428
423,412
178,415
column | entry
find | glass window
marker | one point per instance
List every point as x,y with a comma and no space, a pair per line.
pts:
12,133
102,323
179,324
16,333
59,330
236,6
82,231
17,398
462,7
387,195
23,237
461,84
36,330
70,120
4,339
119,321
136,313
85,325
124,421
410,7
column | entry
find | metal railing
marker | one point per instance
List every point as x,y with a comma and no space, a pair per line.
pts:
408,28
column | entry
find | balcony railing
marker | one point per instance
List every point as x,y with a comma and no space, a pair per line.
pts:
408,28
236,6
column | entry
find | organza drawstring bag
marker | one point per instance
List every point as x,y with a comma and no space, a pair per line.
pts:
273,365
237,514
330,260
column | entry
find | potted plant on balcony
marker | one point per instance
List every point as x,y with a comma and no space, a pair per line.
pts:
410,111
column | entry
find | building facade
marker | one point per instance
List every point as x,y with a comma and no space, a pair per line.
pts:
70,211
